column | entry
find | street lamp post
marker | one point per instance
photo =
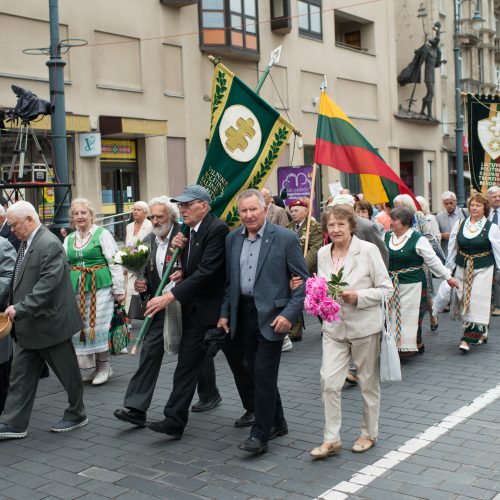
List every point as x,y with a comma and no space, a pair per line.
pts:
477,22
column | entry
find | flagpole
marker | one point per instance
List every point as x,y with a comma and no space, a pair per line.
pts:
324,84
309,211
275,57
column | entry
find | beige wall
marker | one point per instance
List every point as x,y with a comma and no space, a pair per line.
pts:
135,65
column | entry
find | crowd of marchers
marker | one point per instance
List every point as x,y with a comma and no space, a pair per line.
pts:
245,287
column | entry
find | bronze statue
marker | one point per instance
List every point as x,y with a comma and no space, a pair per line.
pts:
430,55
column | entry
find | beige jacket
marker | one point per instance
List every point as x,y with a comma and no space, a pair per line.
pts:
365,272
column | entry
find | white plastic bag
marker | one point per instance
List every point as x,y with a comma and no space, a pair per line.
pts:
172,325
390,366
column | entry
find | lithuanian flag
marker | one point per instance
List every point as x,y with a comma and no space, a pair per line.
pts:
341,146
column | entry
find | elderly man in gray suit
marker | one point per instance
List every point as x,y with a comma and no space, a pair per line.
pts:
258,307
45,316
7,261
448,217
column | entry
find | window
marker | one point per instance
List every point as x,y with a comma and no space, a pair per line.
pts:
281,22
480,65
309,14
353,32
229,27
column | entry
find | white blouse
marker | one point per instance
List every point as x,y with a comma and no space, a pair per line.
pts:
424,249
493,236
109,248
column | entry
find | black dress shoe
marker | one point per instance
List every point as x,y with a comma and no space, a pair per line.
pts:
133,417
278,430
207,405
253,445
164,427
246,420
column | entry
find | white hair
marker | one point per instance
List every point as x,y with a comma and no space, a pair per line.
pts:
248,193
406,201
266,191
448,195
2,211
142,205
424,206
23,209
492,190
167,203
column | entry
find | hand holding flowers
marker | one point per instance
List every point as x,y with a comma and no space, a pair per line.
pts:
321,295
133,258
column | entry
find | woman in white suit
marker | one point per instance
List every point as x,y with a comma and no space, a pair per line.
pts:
136,231
357,334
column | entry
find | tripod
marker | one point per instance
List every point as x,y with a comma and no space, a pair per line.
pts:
20,149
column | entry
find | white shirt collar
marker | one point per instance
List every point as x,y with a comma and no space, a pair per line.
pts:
32,235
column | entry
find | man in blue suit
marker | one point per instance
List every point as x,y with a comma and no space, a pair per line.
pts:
258,307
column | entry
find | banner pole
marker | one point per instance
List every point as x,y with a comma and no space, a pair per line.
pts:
309,211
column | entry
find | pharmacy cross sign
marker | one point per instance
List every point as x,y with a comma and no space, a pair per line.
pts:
240,133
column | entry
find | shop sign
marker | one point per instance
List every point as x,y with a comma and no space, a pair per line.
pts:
118,150
90,145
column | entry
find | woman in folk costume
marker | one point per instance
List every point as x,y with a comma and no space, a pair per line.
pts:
136,231
422,225
97,282
408,252
473,249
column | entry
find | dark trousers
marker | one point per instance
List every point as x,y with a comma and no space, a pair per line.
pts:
263,360
26,368
142,384
189,365
242,378
4,382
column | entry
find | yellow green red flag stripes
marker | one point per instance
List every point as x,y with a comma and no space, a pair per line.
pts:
341,146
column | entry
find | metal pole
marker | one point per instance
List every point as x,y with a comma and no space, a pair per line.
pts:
459,127
58,121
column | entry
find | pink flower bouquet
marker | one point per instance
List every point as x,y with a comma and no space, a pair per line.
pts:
318,302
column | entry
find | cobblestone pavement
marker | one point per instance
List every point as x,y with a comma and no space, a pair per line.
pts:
109,459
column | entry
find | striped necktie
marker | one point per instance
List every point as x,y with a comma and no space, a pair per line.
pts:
19,263
495,216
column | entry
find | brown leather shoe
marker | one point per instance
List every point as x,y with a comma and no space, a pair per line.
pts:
326,449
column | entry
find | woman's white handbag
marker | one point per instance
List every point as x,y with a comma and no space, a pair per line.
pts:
390,366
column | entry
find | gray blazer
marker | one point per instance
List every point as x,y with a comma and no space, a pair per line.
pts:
368,231
443,221
7,262
280,257
46,309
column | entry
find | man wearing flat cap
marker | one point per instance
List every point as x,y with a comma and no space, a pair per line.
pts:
298,211
199,289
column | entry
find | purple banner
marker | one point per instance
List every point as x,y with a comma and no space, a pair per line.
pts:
297,183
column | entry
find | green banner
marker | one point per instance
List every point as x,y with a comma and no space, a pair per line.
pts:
484,141
247,135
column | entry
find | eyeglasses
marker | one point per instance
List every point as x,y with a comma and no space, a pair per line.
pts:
187,204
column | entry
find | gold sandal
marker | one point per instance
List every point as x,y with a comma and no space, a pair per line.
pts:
326,449
359,447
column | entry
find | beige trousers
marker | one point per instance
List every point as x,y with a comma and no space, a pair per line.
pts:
365,353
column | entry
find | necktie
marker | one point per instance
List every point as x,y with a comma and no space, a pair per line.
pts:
192,236
297,227
20,258
495,217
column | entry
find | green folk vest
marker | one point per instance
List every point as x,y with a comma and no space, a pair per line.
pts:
474,246
404,258
89,256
